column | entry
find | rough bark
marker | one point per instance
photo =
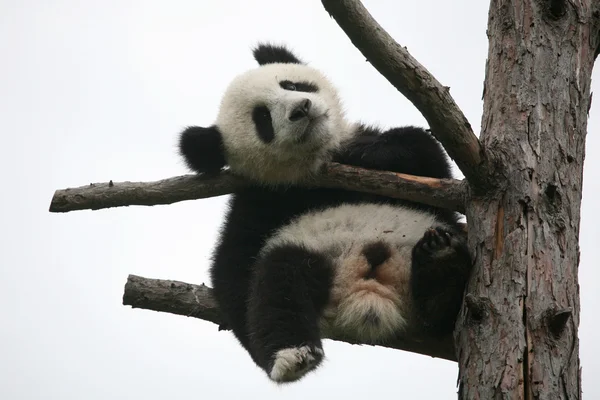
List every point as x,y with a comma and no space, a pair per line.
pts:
446,193
196,301
517,335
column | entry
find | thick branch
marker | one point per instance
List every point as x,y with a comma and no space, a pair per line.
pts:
446,120
196,301
446,193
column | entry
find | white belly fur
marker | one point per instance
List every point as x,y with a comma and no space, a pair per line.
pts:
373,310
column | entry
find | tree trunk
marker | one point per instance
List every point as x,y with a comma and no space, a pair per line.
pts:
517,333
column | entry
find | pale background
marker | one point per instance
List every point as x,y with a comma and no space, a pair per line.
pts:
98,90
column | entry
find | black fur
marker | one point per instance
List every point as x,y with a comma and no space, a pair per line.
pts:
202,149
255,212
293,285
264,123
271,54
440,269
408,148
299,86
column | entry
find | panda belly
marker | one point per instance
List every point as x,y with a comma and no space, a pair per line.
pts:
369,247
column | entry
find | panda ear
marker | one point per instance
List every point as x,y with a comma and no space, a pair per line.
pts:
271,54
202,149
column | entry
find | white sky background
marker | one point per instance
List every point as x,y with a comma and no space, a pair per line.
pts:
92,91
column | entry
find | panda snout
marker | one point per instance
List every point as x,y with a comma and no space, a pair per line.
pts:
300,110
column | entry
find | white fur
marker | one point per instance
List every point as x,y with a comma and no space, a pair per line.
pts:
293,363
336,228
284,160
372,310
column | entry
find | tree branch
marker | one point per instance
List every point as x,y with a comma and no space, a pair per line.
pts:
447,122
196,301
445,193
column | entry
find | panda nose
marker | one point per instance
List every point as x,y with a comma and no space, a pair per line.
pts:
300,110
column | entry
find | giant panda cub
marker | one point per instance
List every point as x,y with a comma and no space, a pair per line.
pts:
296,264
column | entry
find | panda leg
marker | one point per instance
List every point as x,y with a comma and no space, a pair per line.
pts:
288,293
441,265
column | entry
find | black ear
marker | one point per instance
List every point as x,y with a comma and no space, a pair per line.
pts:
271,54
202,149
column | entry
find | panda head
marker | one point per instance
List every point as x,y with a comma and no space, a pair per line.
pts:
277,123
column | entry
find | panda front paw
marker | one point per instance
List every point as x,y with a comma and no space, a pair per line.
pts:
293,363
437,243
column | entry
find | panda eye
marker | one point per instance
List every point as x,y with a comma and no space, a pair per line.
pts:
287,85
299,86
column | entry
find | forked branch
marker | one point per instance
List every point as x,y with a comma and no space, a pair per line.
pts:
445,193
197,301
447,122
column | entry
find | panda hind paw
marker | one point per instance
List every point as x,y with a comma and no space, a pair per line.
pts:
293,363
437,243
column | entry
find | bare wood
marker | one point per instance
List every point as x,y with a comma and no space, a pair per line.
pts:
447,122
517,332
445,193
171,296
96,196
196,301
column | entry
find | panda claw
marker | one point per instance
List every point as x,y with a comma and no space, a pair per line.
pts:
436,242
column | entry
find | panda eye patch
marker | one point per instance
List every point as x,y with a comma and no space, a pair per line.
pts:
261,116
298,86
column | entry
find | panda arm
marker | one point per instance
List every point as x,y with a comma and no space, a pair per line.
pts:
408,150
